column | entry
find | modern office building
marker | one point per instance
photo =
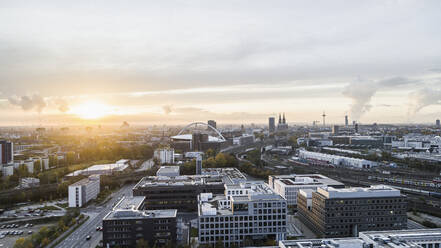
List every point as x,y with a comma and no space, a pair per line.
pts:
271,124
6,152
128,223
244,213
83,191
332,212
417,238
288,186
346,121
181,192
168,171
438,123
165,155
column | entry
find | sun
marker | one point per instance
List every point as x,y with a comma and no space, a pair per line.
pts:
91,110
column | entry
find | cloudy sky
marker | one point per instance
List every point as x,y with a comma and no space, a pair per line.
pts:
67,62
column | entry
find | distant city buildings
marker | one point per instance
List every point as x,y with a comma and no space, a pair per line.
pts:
127,223
199,165
165,155
83,191
346,121
345,212
212,123
245,212
244,140
271,124
438,123
288,186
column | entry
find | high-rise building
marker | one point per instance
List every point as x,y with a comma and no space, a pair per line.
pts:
271,124
199,165
83,191
356,128
335,130
346,121
245,212
128,222
212,123
165,155
438,123
6,152
345,212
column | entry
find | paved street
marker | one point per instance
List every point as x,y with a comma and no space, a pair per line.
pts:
78,238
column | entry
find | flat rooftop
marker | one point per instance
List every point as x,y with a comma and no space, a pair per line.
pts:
359,192
85,181
306,179
134,202
210,176
129,208
168,169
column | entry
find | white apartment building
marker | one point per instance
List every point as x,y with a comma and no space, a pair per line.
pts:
83,191
246,212
336,160
289,185
165,155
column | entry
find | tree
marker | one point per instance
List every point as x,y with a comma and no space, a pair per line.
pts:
37,167
141,243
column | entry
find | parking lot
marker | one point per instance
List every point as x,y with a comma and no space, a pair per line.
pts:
10,233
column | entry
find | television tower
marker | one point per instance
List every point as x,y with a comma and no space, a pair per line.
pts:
324,115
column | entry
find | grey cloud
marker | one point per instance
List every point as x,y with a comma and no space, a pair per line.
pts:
34,102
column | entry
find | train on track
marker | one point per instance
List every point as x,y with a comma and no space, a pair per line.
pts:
435,183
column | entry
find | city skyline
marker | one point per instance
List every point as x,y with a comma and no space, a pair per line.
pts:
177,61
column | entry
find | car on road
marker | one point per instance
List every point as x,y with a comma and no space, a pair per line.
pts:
29,232
99,228
88,237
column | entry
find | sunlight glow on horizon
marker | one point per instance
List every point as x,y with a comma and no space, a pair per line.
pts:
91,110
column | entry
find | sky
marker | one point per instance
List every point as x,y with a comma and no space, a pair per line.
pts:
174,62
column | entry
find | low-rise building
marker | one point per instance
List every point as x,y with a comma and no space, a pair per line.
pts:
29,182
289,185
168,171
127,223
244,213
332,212
336,160
83,191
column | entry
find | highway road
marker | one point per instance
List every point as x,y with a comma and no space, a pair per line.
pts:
78,237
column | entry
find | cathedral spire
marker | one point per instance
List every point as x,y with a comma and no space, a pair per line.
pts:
280,118
284,120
